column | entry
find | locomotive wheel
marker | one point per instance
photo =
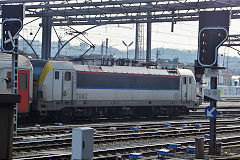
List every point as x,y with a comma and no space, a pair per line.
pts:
93,117
151,117
173,112
173,116
66,115
66,118
34,117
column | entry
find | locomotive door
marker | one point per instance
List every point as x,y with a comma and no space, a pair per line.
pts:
67,85
57,85
189,88
184,89
23,90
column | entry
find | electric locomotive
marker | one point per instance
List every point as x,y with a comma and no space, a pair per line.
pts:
63,89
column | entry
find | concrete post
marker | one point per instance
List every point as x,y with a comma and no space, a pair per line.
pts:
82,143
218,148
199,144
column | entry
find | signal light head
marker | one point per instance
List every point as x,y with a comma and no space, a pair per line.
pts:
204,50
204,34
220,34
205,43
210,39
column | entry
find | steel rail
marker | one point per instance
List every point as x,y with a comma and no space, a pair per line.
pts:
57,141
124,151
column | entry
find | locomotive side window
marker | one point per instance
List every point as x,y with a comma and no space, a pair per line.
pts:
125,81
184,80
67,76
23,81
56,74
190,80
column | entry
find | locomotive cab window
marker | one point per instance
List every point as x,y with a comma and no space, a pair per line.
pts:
23,81
190,80
67,76
56,74
184,80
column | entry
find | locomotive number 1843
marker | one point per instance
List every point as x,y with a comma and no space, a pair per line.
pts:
82,96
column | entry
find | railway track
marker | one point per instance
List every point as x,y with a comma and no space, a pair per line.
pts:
116,128
147,150
123,134
58,141
225,111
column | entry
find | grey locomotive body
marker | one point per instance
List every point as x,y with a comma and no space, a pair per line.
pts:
65,89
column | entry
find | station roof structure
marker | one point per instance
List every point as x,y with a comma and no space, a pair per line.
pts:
101,12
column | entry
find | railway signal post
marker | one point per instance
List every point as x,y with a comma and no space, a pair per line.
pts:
12,18
210,39
213,32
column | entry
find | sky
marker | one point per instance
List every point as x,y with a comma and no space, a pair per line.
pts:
184,37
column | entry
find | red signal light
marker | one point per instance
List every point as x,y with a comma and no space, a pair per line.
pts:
204,42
